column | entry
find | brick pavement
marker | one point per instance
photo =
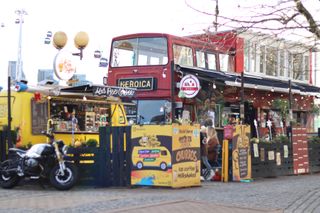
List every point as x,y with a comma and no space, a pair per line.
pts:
189,206
283,194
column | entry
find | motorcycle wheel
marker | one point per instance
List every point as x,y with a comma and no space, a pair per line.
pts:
66,181
8,181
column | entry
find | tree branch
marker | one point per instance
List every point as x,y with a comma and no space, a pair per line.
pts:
313,27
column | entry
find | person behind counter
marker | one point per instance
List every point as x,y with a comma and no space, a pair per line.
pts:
208,140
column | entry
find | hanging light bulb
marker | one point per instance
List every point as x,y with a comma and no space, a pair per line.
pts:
84,98
214,85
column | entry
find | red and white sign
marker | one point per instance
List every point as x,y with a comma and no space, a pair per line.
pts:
190,86
64,66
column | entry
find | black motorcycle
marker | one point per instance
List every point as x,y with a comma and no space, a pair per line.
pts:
41,161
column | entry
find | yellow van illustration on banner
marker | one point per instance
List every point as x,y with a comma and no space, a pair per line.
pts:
150,154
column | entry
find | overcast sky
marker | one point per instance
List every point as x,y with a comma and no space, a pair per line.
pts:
101,19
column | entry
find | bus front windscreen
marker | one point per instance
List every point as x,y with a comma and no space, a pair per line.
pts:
139,52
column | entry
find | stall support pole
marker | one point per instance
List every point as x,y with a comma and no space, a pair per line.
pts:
225,161
173,85
242,99
9,109
290,111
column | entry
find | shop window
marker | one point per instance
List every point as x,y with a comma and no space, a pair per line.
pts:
282,63
246,51
131,112
271,61
39,116
306,70
297,66
289,73
300,66
262,57
226,62
79,117
249,56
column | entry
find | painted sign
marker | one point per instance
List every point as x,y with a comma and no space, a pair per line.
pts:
106,91
186,155
165,155
151,155
138,83
64,66
189,86
241,156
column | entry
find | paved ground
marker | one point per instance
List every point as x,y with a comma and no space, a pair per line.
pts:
282,194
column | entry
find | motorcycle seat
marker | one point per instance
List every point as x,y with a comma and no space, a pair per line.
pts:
17,150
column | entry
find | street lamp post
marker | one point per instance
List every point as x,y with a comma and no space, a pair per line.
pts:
19,21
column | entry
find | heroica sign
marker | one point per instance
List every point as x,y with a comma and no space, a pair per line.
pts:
189,86
113,91
139,83
64,66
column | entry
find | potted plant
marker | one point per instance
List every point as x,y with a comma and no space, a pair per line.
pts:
281,139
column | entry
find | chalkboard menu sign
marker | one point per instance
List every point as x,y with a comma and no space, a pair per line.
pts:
39,116
241,156
243,162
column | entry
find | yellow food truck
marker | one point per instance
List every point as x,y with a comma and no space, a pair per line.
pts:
75,113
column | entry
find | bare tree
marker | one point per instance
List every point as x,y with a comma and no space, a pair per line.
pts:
281,18
274,25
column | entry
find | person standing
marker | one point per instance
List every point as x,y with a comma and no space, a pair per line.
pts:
205,131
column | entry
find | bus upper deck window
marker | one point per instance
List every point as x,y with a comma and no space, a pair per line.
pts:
139,52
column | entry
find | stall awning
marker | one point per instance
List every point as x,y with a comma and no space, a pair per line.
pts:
101,91
250,81
205,74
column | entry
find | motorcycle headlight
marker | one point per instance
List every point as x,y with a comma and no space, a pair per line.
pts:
65,149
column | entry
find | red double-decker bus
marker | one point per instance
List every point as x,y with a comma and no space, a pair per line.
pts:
148,62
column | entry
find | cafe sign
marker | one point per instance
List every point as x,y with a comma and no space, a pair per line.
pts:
189,86
138,83
64,65
113,91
